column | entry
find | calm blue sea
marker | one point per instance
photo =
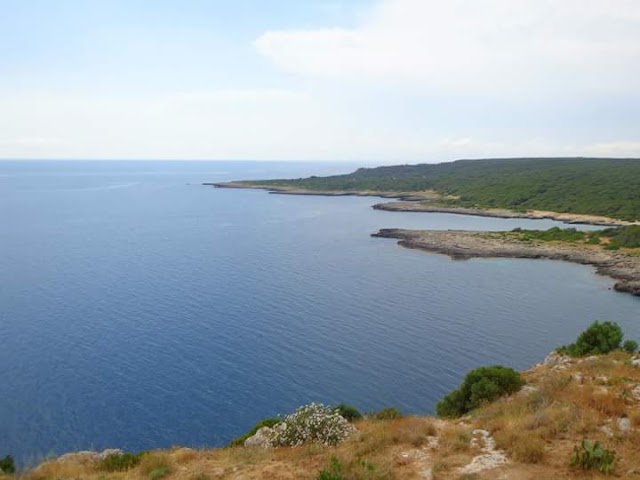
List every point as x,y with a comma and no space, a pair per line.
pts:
140,309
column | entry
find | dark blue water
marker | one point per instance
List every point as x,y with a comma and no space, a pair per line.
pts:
139,309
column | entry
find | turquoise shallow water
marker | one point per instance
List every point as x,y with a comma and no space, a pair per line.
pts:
140,309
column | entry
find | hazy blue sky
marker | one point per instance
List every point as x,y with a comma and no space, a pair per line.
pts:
372,80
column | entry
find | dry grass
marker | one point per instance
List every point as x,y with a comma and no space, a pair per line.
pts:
60,471
154,462
455,439
413,431
185,455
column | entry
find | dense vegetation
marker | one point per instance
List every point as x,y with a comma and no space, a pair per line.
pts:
7,465
120,462
554,234
611,238
348,412
575,185
480,386
598,339
628,237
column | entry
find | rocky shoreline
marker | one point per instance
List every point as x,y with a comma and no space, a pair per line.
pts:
404,196
623,268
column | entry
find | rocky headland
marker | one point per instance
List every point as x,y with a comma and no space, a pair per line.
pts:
619,265
285,190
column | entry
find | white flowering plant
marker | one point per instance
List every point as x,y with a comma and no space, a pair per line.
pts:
313,423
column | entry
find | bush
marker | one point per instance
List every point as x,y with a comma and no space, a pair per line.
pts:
334,472
592,458
481,385
155,465
315,423
529,449
267,422
387,413
348,412
628,237
356,469
119,462
158,473
598,339
7,465
630,346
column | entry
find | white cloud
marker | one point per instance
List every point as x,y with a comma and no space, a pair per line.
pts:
470,148
475,45
198,124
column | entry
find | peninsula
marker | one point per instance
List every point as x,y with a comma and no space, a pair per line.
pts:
600,191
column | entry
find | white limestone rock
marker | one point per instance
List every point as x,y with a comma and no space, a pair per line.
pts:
261,439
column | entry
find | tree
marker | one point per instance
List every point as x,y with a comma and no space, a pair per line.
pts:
481,385
598,339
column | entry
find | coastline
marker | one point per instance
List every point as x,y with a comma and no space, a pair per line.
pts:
280,190
462,245
419,202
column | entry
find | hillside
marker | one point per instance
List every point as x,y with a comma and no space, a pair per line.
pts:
596,186
528,435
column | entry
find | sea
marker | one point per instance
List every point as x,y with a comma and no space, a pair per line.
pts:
140,309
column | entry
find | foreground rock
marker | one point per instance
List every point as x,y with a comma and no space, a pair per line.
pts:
261,439
490,457
87,456
464,245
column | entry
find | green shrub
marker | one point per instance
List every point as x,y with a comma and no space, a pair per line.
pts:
628,236
592,458
553,234
481,385
387,413
598,339
348,412
267,422
119,462
158,473
630,346
334,472
7,465
358,469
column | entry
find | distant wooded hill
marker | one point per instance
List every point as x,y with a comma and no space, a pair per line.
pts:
598,186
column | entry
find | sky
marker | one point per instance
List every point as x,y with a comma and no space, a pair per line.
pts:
385,81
